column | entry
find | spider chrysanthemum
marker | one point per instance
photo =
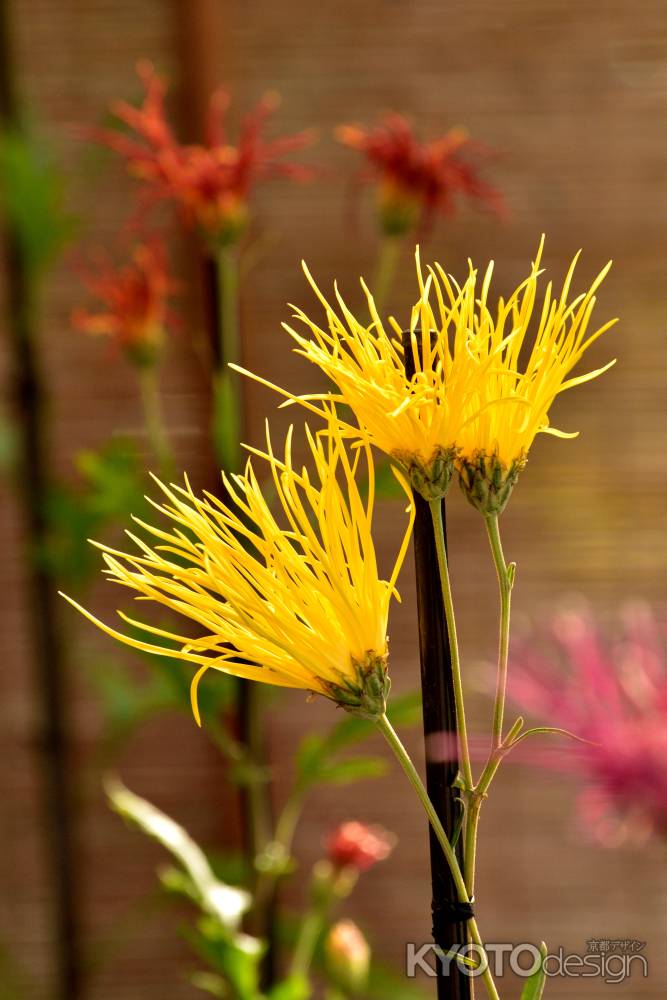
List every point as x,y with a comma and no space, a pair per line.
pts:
410,406
294,600
524,355
462,388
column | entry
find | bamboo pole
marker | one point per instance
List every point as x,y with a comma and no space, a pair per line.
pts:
439,719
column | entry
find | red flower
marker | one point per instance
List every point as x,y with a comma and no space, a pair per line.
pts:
211,182
132,303
417,179
355,845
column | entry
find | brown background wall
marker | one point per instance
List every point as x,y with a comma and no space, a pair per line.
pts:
574,95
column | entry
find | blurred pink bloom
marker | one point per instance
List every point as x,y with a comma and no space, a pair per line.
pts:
209,182
609,686
355,845
441,747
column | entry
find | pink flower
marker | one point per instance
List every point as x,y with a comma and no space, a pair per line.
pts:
609,686
355,845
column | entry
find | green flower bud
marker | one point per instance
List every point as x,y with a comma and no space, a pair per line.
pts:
347,956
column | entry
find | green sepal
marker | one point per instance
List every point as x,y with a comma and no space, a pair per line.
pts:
429,478
487,482
365,695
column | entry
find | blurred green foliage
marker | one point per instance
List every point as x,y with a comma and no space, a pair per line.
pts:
534,988
32,199
230,956
111,484
13,978
318,760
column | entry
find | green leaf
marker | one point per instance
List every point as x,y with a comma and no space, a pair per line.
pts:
344,772
313,755
534,987
383,982
111,484
178,883
128,697
236,956
549,730
31,195
226,903
351,729
294,988
210,983
405,710
309,757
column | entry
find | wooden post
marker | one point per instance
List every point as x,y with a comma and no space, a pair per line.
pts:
33,483
203,53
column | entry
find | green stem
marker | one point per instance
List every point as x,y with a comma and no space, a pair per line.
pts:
505,575
257,789
231,749
229,341
403,758
288,819
439,535
388,257
153,418
472,819
277,852
309,934
228,431
227,404
505,579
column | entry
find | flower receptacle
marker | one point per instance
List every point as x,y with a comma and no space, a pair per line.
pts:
367,695
487,482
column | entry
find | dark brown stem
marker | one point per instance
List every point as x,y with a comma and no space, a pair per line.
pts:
439,716
32,481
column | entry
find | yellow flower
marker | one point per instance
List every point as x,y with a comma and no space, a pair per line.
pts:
475,394
415,418
512,395
298,604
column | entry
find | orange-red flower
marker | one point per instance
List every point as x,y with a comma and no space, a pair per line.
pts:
132,303
358,846
210,182
417,179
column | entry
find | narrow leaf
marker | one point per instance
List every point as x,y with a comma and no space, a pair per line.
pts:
294,988
553,730
210,983
534,987
344,772
224,902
